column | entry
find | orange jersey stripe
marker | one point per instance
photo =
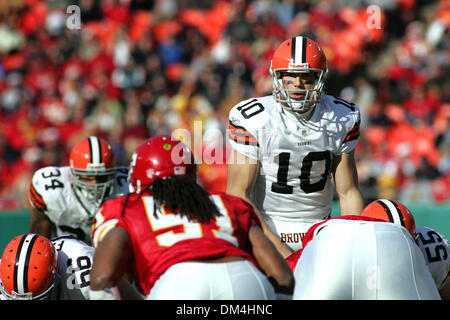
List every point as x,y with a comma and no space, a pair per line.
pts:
239,130
37,199
353,133
243,140
241,135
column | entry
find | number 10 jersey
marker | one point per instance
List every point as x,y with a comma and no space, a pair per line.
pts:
296,155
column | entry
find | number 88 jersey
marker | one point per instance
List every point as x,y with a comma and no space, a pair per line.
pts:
296,155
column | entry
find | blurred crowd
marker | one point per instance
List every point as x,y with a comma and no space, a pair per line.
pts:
136,68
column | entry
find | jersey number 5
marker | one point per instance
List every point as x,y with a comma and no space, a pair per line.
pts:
281,185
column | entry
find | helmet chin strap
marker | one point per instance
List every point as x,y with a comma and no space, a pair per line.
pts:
296,115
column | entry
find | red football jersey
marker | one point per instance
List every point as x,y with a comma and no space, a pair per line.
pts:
295,256
163,239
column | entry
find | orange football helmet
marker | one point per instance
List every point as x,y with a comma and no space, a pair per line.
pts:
391,211
159,157
90,157
28,268
298,55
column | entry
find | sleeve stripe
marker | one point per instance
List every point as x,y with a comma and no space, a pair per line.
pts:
355,127
241,135
351,137
36,198
243,140
238,135
102,231
353,134
239,129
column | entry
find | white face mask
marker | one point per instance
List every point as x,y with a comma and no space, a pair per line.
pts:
93,194
310,96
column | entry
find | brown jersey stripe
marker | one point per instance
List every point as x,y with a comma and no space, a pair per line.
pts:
37,199
243,140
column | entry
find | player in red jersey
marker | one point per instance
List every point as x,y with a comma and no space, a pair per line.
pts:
185,242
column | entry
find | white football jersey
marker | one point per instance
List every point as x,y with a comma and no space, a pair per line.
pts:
435,249
51,192
296,155
75,259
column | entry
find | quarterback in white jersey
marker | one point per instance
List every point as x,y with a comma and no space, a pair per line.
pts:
64,200
293,144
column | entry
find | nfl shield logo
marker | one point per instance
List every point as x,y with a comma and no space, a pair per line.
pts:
179,171
150,173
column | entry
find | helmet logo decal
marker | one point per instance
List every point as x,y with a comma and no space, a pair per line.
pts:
167,147
179,171
150,173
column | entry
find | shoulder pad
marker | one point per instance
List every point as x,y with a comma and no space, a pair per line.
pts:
254,112
46,186
248,117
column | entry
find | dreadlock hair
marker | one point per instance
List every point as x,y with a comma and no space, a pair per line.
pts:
183,195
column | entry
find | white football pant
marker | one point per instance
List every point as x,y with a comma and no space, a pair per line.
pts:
235,280
357,260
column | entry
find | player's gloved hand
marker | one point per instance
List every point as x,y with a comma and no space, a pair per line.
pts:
105,294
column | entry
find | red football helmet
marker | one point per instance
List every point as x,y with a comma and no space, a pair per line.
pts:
298,55
28,268
159,157
391,211
92,156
